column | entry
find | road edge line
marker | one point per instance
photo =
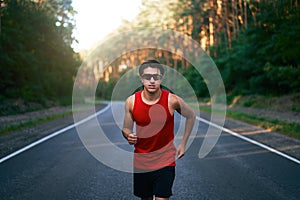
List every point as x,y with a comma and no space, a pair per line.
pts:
108,106
56,133
250,140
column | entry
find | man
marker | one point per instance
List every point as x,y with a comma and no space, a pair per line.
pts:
152,109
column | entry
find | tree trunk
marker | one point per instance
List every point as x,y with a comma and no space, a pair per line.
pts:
234,19
1,2
227,28
175,74
211,24
246,14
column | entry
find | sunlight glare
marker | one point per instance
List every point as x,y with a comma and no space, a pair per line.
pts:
97,18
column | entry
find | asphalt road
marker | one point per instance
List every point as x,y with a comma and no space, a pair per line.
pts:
63,168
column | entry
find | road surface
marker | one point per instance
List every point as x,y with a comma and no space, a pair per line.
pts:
63,168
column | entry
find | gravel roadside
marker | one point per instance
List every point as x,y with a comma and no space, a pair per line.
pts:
287,116
277,141
15,140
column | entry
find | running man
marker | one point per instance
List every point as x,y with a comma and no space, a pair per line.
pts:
152,109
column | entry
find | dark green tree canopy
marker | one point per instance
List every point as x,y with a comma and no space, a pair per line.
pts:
37,61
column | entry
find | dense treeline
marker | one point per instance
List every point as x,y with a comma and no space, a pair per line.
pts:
264,57
255,43
37,61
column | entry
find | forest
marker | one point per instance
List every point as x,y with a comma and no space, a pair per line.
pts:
254,43
38,64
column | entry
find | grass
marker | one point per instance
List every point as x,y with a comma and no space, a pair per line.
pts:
33,122
289,129
38,121
280,103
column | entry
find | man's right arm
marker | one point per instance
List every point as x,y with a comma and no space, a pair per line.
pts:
128,122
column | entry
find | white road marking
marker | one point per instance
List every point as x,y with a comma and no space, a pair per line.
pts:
108,106
250,140
53,134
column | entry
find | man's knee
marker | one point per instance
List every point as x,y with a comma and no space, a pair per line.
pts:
159,198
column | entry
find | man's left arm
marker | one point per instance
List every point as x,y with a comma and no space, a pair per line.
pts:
186,111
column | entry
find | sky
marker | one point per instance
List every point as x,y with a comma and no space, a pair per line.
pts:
97,18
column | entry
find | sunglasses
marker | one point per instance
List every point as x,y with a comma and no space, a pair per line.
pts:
148,77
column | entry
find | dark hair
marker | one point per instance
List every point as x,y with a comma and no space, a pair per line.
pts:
152,64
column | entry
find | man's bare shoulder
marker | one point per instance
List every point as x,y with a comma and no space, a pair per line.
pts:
130,102
130,98
174,100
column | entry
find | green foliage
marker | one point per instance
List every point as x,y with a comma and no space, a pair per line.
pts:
265,58
104,89
283,78
37,61
258,42
195,80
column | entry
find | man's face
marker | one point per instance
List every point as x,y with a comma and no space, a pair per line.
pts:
151,79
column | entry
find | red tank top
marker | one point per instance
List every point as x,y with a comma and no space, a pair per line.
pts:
155,130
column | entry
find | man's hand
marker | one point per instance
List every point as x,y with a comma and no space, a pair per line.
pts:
180,151
131,138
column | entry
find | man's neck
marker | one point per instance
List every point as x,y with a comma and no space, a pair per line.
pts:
151,98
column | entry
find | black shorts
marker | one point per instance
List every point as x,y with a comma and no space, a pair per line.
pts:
158,183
